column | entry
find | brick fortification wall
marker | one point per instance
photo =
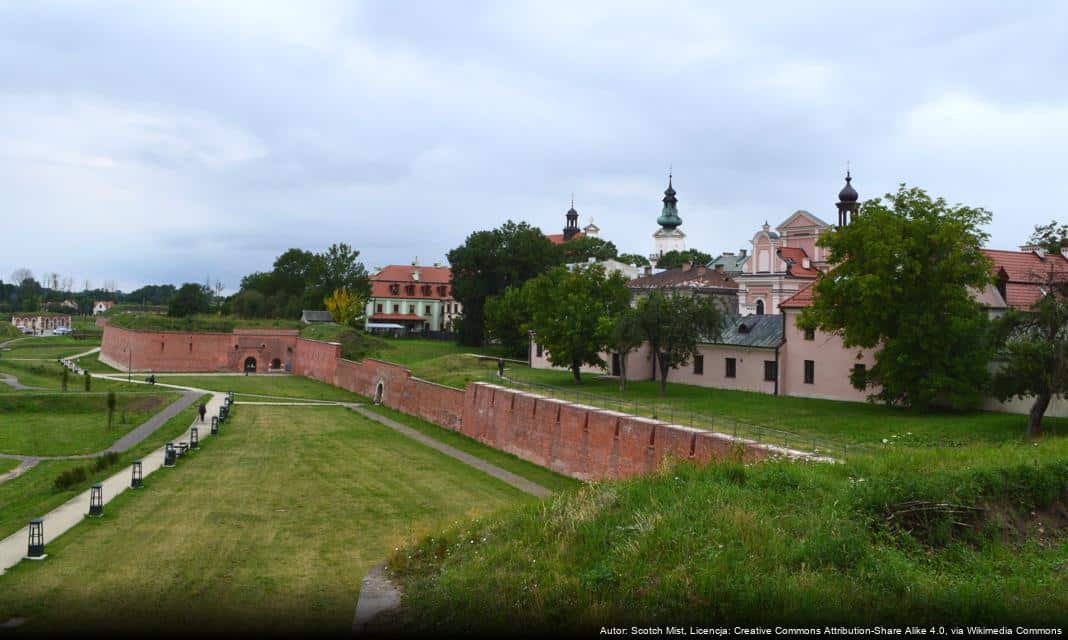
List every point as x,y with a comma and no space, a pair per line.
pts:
196,352
575,440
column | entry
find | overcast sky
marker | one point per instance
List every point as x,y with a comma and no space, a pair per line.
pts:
148,142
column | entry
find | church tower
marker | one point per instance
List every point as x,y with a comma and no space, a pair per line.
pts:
668,237
847,201
572,228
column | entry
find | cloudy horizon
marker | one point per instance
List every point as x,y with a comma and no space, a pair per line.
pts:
171,142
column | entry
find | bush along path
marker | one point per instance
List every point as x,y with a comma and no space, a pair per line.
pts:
56,522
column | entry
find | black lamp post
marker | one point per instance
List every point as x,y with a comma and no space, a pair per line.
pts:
169,455
96,501
36,546
230,395
214,425
136,477
194,438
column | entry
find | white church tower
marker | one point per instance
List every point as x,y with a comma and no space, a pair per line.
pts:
668,237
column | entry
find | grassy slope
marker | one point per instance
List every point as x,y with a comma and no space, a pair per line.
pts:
540,475
93,363
266,384
32,494
68,424
273,524
7,465
203,322
48,376
777,542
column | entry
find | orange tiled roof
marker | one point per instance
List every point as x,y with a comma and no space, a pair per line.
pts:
799,300
698,277
401,276
1025,273
795,260
558,238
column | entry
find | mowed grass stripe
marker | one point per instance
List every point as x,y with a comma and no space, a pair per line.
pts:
270,527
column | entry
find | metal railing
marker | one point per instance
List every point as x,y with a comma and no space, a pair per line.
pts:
670,413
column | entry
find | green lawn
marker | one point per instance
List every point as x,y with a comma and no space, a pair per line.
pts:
33,494
202,322
92,363
268,529
265,384
413,351
844,422
775,543
47,347
69,424
7,465
47,375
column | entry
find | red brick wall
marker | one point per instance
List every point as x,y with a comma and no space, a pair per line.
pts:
195,352
576,440
317,360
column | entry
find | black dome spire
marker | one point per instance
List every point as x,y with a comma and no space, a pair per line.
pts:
848,193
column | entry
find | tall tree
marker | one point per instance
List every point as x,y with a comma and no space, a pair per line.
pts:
582,248
341,269
508,318
902,287
624,337
675,259
191,299
489,262
674,325
1034,345
569,311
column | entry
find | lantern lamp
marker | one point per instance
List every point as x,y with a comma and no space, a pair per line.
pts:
169,455
214,425
194,438
35,551
96,501
136,476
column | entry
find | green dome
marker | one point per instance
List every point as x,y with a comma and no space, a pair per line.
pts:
669,216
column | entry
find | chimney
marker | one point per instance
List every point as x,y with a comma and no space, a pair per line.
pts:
701,270
437,264
686,266
719,268
648,271
742,252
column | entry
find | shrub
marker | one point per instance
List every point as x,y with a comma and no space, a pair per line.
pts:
70,478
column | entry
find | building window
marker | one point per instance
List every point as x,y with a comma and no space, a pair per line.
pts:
810,371
409,289
442,290
771,370
732,368
540,350
425,289
378,308
760,307
396,308
411,309
810,334
426,311
394,289
699,365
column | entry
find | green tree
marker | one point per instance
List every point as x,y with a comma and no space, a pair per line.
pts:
624,336
582,248
633,259
111,406
1034,345
341,269
569,308
675,259
902,287
191,299
491,261
508,320
346,307
673,325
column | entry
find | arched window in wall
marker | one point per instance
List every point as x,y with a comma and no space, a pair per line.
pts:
760,307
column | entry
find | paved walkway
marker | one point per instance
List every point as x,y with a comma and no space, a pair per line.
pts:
508,477
14,383
70,513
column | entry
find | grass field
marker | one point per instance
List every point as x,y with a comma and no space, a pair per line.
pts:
47,376
270,528
93,364
7,465
47,347
200,322
772,543
68,424
33,493
266,384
